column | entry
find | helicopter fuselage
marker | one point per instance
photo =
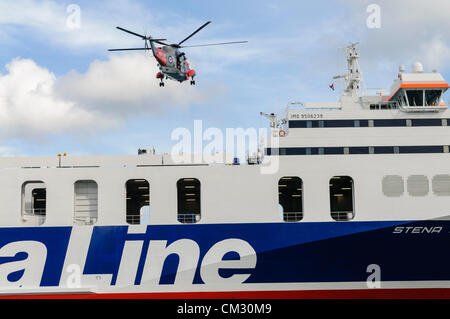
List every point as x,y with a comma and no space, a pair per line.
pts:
172,64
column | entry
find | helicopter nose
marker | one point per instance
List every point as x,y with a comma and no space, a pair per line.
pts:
191,73
159,75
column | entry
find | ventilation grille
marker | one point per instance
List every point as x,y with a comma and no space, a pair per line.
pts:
418,185
392,185
441,185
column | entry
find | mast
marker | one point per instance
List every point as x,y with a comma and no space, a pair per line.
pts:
353,78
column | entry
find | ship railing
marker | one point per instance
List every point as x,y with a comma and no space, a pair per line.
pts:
422,109
134,219
35,217
188,218
343,215
35,211
85,220
292,216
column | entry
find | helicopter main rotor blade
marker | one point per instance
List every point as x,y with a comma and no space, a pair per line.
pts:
159,41
129,49
133,33
211,44
193,33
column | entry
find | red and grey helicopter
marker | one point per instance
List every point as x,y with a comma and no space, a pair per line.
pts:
171,62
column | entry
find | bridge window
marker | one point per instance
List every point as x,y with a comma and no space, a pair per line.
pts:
341,198
85,202
34,196
433,97
290,198
137,201
188,190
415,97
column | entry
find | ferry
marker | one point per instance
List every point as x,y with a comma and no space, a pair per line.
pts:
356,205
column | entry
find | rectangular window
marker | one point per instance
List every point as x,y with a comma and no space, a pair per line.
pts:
316,123
421,149
426,122
341,198
334,150
415,97
339,123
297,124
34,202
137,201
314,150
290,198
295,151
85,202
188,199
359,150
363,123
383,150
392,122
433,97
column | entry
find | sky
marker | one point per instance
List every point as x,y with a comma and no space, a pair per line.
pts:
62,91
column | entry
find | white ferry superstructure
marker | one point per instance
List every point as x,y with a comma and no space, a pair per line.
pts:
362,191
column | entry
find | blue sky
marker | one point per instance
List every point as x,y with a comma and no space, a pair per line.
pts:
62,91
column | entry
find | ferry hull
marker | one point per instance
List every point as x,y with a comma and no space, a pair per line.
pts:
379,259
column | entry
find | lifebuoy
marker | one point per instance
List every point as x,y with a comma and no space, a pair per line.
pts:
281,133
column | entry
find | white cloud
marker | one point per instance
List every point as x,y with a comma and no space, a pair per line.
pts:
52,21
126,85
437,53
34,102
29,105
410,31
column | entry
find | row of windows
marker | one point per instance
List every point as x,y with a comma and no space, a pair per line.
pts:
290,198
367,123
357,150
85,209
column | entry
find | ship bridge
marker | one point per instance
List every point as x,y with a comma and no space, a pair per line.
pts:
418,91
410,118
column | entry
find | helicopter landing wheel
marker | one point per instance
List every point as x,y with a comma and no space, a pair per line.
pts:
192,82
161,84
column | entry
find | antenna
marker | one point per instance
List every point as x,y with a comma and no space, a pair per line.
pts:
354,76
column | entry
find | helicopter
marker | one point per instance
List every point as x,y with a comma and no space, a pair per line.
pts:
172,62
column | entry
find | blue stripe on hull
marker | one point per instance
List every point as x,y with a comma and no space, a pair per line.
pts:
286,252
